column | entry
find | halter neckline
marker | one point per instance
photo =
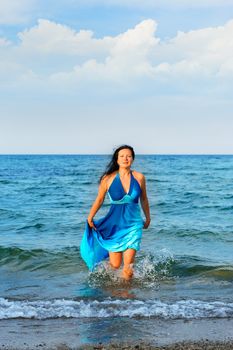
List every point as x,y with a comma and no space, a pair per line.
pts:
130,184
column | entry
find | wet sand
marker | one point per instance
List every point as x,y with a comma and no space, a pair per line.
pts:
118,333
201,345
206,345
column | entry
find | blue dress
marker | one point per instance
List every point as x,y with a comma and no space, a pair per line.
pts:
119,230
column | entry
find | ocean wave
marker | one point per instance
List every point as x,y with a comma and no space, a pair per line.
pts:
37,226
6,182
188,268
224,273
10,214
149,269
192,233
155,180
226,208
67,260
63,308
228,196
7,214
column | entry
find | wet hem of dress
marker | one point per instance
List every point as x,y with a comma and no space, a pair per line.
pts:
122,251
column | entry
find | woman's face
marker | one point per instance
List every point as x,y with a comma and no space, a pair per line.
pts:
125,158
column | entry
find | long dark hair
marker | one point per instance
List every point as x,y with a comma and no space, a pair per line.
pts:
112,165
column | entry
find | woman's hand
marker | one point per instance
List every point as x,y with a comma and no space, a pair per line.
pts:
146,223
91,224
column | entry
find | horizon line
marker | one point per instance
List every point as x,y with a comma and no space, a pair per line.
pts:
106,154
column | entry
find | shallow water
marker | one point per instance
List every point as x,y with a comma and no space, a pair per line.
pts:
183,270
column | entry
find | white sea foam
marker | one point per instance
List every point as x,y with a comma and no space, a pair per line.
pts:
43,309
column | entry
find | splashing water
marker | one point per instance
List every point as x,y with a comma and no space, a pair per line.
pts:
149,269
153,268
104,275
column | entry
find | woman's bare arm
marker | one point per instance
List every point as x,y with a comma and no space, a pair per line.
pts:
144,202
98,202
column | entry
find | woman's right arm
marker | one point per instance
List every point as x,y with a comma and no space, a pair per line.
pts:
144,202
98,201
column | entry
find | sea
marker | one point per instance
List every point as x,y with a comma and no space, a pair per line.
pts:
184,269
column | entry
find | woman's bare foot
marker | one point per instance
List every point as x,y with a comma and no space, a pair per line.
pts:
127,273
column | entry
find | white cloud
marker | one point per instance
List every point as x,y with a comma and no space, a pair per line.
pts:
127,58
15,11
201,54
53,38
60,55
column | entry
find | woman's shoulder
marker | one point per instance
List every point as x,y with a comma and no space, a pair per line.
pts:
108,178
138,175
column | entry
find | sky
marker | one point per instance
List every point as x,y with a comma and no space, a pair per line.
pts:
85,76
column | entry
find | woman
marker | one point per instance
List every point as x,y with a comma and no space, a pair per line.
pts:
118,234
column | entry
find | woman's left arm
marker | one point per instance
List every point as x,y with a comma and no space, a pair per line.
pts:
144,202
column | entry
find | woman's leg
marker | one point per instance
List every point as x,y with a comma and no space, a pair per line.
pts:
129,255
115,259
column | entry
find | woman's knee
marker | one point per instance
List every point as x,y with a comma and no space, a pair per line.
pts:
115,264
115,259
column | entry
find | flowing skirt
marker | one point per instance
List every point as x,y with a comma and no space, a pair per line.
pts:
119,230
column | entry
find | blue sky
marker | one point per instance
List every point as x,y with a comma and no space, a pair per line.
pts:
87,76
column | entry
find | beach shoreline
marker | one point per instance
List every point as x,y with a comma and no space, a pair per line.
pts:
120,333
